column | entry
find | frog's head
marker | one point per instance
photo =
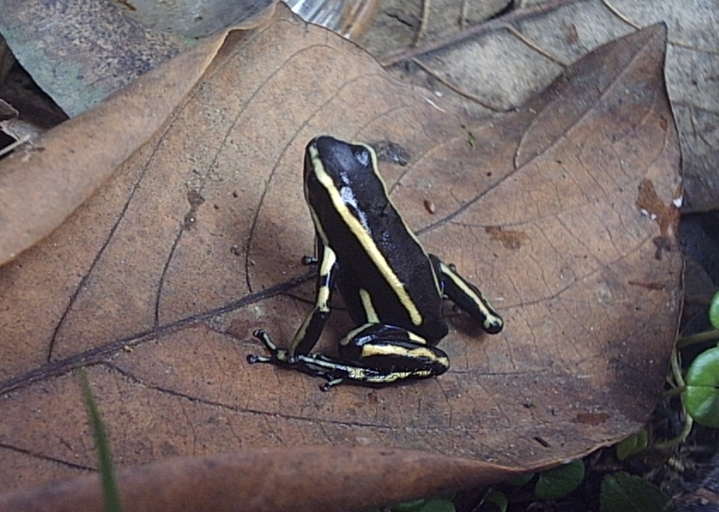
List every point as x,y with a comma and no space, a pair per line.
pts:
342,161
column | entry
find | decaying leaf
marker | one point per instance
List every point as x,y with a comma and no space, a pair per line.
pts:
79,53
159,279
44,182
303,479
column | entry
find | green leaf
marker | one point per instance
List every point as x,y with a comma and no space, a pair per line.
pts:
714,311
437,505
557,482
632,444
519,481
499,500
431,505
628,493
701,398
408,506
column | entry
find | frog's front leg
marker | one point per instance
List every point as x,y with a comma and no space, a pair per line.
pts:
309,332
468,297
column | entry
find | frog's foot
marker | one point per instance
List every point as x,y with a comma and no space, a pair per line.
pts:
312,364
309,260
277,355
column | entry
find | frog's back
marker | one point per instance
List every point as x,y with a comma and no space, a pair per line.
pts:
376,251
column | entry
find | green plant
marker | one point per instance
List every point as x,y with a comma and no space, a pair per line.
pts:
107,474
698,387
558,482
629,493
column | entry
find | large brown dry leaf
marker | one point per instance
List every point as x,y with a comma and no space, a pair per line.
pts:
160,278
303,479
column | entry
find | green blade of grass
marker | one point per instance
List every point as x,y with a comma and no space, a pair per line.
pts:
109,484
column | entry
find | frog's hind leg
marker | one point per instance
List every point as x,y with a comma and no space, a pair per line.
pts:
381,354
371,355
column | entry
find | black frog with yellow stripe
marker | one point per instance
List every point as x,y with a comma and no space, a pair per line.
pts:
392,288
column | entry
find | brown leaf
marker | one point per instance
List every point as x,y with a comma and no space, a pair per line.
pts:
41,185
332,478
160,278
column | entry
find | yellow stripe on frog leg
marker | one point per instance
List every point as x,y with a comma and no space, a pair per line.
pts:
329,260
479,300
416,338
354,332
371,350
300,335
369,310
322,307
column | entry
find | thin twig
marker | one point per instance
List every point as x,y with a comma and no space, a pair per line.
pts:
422,22
676,368
688,420
463,14
455,87
637,26
463,92
698,338
534,46
7,149
619,15
679,439
476,31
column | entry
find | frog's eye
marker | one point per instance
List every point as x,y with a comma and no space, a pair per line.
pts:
362,155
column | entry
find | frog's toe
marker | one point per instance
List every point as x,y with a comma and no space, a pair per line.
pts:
252,359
